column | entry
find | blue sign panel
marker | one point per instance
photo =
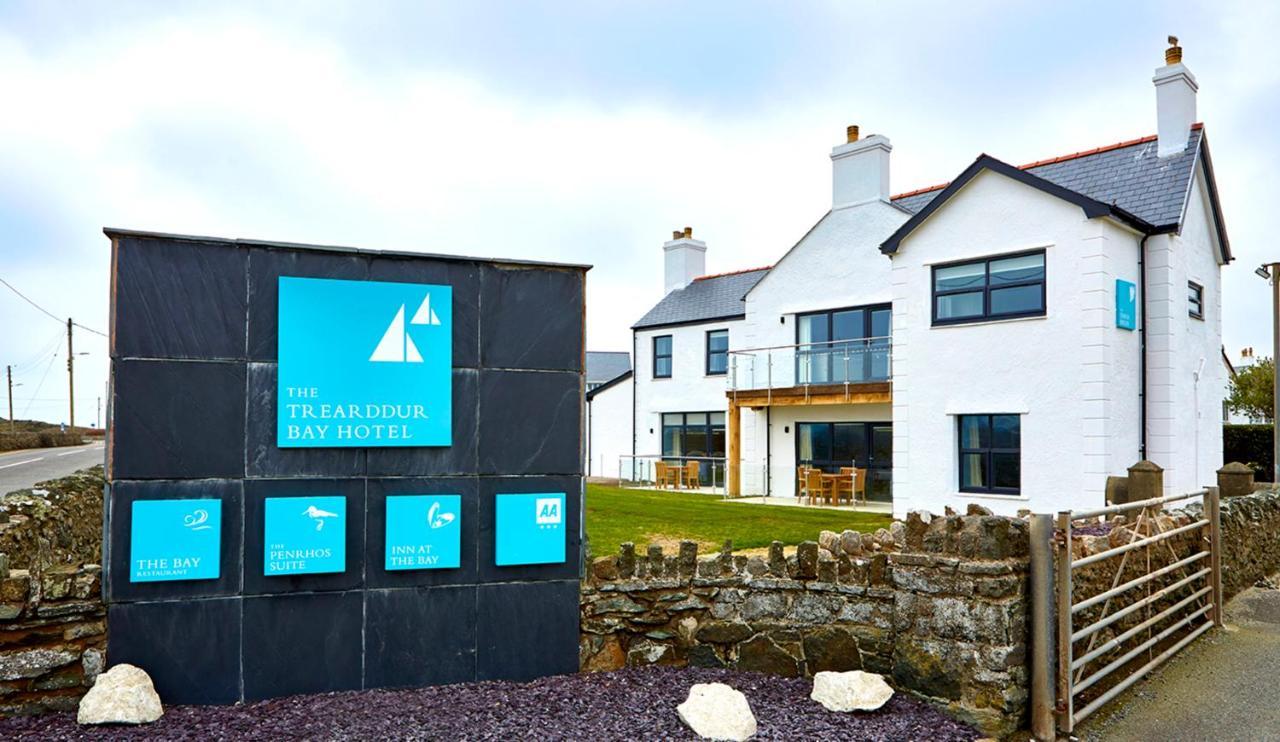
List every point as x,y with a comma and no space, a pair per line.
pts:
175,540
364,363
424,531
305,535
1126,304
530,529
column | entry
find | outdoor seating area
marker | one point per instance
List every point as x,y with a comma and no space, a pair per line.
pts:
676,476
817,487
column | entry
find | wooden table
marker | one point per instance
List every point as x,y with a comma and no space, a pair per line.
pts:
831,484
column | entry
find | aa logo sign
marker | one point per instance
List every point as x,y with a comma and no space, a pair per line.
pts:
364,363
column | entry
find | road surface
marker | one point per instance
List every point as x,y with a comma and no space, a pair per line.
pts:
21,469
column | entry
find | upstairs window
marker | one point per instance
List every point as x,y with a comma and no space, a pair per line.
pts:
1195,300
662,357
993,288
990,453
717,352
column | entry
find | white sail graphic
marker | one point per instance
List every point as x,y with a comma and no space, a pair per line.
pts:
425,314
396,346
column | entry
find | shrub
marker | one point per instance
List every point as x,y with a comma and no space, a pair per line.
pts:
15,441
1251,445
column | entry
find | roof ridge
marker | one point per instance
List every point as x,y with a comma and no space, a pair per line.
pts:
1053,160
733,273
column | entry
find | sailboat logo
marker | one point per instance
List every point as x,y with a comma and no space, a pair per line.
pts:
396,346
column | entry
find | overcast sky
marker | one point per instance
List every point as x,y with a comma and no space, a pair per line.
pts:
581,132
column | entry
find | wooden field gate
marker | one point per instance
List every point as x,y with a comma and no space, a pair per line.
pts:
1123,632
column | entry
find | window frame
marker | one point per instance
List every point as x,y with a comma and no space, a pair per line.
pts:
669,355
1198,290
986,289
986,453
868,321
708,352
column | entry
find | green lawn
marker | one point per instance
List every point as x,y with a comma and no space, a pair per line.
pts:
616,515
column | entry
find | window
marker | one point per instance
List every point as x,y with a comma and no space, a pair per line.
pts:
995,288
1195,300
689,436
662,357
843,345
717,352
829,446
990,453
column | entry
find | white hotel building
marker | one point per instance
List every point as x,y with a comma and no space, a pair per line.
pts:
1010,338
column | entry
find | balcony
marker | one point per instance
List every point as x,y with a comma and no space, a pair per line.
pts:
834,372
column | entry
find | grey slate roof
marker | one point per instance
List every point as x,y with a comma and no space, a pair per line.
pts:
1131,177
605,366
713,297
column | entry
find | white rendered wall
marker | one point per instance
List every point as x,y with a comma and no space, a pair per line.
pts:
609,429
1060,372
689,389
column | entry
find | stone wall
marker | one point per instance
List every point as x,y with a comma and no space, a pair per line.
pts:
938,604
1250,539
53,637
55,522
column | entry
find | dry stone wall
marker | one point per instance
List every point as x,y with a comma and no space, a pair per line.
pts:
936,604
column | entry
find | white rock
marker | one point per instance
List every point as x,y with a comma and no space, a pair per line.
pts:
850,691
122,695
716,711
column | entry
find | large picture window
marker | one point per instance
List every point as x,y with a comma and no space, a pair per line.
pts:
990,453
690,436
662,357
843,345
717,352
830,446
993,288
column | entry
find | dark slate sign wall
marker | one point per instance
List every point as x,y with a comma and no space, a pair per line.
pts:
193,403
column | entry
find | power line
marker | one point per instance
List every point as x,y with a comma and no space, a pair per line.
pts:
51,315
27,409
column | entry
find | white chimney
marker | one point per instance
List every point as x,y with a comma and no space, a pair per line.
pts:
860,170
684,260
1175,102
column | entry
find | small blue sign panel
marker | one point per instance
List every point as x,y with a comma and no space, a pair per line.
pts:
424,532
1126,304
530,529
305,535
175,540
364,364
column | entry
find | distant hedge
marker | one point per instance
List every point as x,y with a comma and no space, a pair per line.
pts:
1252,445
42,439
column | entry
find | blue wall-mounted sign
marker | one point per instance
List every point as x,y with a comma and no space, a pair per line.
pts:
175,540
364,363
304,535
1126,304
530,529
424,531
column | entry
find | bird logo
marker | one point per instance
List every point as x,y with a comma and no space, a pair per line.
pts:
318,515
437,519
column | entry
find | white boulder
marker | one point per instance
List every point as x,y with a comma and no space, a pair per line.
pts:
122,695
850,691
716,711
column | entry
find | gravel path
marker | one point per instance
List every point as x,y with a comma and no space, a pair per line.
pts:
631,704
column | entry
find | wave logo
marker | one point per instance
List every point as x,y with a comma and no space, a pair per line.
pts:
396,346
547,510
197,520
437,519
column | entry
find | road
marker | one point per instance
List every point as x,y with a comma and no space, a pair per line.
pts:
1221,688
21,469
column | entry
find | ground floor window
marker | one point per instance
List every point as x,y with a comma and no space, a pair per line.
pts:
829,446
695,436
990,448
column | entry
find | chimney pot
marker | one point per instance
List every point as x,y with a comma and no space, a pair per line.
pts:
851,133
676,234
688,233
1173,55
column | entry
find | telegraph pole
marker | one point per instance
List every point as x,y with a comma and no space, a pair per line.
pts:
71,379
8,372
1275,372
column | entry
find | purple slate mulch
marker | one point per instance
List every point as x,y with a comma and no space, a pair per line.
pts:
630,704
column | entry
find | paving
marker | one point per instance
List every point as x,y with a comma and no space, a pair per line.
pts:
22,469
1223,687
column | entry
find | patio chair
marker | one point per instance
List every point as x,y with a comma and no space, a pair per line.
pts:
816,485
691,478
847,484
859,485
662,474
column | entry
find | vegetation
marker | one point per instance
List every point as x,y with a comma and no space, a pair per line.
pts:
641,516
1252,445
36,434
1252,393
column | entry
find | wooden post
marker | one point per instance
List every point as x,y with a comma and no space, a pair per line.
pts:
735,451
1066,712
1043,674
1213,512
